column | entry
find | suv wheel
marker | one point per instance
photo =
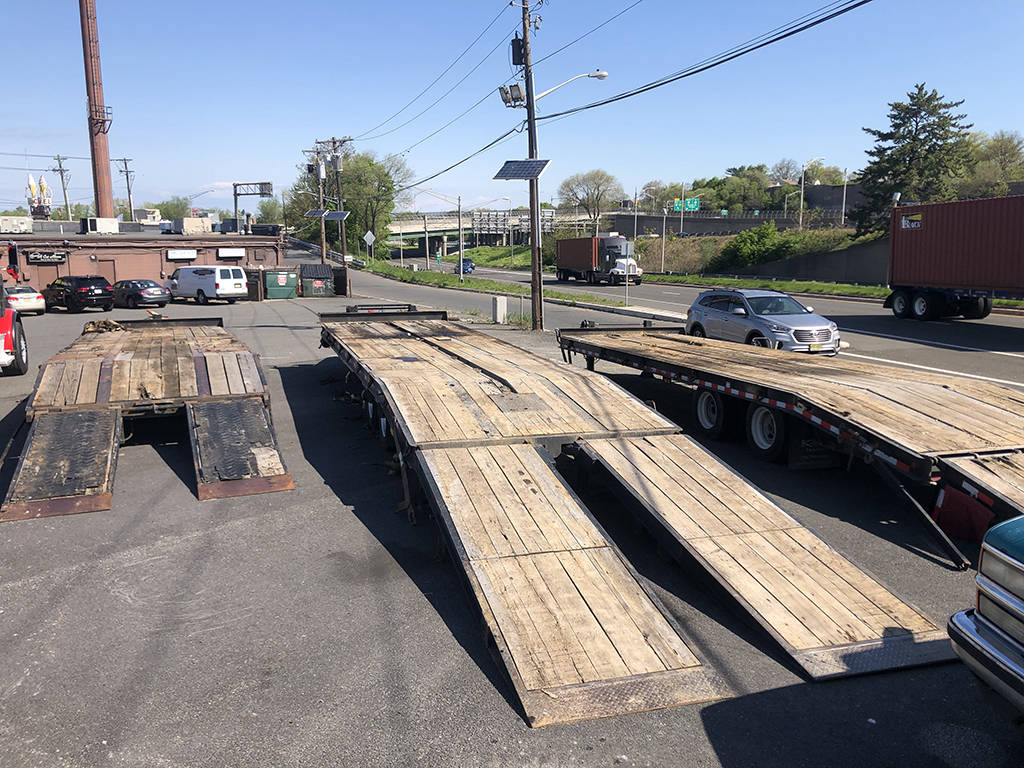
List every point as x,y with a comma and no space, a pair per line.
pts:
698,331
20,364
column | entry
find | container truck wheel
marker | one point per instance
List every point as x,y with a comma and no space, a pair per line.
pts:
926,305
766,432
976,308
712,414
901,304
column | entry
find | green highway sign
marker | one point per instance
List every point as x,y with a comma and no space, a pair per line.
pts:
693,203
677,205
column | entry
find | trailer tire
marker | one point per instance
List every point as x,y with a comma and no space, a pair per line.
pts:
927,305
901,304
766,432
712,414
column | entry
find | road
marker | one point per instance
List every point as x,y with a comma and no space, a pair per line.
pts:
991,349
318,627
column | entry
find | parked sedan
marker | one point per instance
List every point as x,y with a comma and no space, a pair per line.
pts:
76,292
25,299
763,318
140,293
468,266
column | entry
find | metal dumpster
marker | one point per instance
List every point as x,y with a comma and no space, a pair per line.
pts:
282,283
317,280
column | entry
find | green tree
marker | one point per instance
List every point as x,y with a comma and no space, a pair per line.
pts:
78,211
270,211
593,191
176,207
819,173
19,211
1006,150
924,149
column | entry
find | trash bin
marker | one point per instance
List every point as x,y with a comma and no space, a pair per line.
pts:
282,283
254,282
317,280
340,281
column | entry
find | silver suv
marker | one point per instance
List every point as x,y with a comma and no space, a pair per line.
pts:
764,318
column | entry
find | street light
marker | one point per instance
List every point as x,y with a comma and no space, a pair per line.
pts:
530,101
785,204
803,174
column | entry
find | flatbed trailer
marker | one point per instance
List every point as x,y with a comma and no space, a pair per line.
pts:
475,422
927,428
143,369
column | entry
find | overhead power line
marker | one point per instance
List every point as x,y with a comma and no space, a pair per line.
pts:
49,157
588,32
436,79
803,23
781,33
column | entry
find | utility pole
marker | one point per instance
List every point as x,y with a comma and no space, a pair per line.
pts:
842,215
320,173
536,284
128,176
664,218
65,177
426,244
336,145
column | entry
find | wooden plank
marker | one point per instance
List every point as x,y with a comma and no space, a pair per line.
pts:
236,385
69,383
250,373
186,376
89,383
49,384
218,377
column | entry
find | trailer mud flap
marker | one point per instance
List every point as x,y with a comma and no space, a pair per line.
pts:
234,449
67,465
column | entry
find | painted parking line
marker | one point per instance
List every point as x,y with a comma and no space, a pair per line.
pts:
1008,382
926,342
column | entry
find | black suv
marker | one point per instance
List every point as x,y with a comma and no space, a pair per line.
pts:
77,293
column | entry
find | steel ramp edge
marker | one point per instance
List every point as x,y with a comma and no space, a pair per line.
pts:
545,704
894,648
67,465
234,449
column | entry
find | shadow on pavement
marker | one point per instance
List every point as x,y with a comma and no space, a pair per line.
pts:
352,461
846,723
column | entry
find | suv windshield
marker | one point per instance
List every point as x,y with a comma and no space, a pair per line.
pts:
775,305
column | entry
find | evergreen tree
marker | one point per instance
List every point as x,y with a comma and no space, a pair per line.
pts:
919,155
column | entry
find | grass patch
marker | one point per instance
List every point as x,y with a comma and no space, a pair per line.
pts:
448,280
793,286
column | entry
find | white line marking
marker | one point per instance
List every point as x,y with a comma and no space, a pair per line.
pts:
926,342
936,370
672,293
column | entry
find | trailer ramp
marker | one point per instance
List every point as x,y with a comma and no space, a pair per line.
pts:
576,630
67,465
234,449
828,614
579,634
994,479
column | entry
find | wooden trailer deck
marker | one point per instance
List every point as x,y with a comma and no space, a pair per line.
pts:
448,385
829,615
926,414
995,479
575,628
135,369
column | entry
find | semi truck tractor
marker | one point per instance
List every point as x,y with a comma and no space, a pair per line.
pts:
952,259
605,258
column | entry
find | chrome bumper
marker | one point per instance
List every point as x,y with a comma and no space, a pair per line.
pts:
990,654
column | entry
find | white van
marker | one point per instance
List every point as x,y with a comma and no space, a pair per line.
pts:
205,283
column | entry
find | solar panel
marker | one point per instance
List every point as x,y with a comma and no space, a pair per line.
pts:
314,213
336,216
522,169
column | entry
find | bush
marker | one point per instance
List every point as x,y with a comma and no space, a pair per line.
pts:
765,243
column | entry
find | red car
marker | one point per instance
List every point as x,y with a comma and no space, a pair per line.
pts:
14,349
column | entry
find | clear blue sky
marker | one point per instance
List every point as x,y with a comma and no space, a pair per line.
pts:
208,93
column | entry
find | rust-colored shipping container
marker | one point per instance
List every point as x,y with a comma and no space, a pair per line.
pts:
577,253
948,259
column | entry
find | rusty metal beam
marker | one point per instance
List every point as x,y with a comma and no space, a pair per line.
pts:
99,113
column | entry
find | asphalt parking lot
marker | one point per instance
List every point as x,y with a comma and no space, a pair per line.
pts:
319,627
